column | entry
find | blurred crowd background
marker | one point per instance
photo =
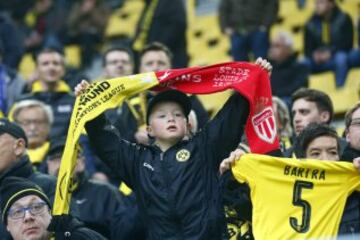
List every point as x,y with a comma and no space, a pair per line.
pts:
196,31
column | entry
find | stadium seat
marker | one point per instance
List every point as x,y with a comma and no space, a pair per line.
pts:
297,18
353,79
343,99
123,21
73,55
207,45
323,81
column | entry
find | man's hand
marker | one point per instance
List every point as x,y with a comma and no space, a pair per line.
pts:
228,162
356,163
263,63
81,87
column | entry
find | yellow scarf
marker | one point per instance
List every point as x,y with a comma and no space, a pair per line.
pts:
99,97
37,155
60,87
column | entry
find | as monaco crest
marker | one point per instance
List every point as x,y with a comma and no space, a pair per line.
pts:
264,125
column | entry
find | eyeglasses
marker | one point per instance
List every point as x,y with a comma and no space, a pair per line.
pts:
34,209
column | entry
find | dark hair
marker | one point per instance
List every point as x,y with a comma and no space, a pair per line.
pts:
349,114
157,46
311,132
49,50
117,49
321,99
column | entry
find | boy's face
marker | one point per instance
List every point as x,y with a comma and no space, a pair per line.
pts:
323,148
167,123
305,112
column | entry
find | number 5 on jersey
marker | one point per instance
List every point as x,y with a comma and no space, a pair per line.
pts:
304,225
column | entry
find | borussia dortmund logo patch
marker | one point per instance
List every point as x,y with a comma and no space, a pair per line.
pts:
182,155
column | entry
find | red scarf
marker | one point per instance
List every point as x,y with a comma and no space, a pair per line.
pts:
249,80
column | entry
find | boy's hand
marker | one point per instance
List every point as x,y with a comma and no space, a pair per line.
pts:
81,87
356,163
263,63
141,136
228,162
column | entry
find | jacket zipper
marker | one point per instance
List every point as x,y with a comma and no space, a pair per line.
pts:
167,183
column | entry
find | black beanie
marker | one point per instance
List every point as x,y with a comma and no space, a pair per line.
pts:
13,129
14,188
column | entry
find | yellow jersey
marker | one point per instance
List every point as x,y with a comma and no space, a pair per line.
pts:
296,199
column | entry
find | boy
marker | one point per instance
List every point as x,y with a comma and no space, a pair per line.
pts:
175,179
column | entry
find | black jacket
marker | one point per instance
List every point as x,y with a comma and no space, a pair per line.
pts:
349,154
350,222
177,190
341,33
124,120
24,169
66,227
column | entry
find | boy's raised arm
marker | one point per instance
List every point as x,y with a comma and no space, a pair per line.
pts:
118,154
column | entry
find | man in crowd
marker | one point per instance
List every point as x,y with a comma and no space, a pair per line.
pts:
352,132
15,161
248,23
26,213
288,73
310,105
328,38
319,141
36,119
117,62
49,88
